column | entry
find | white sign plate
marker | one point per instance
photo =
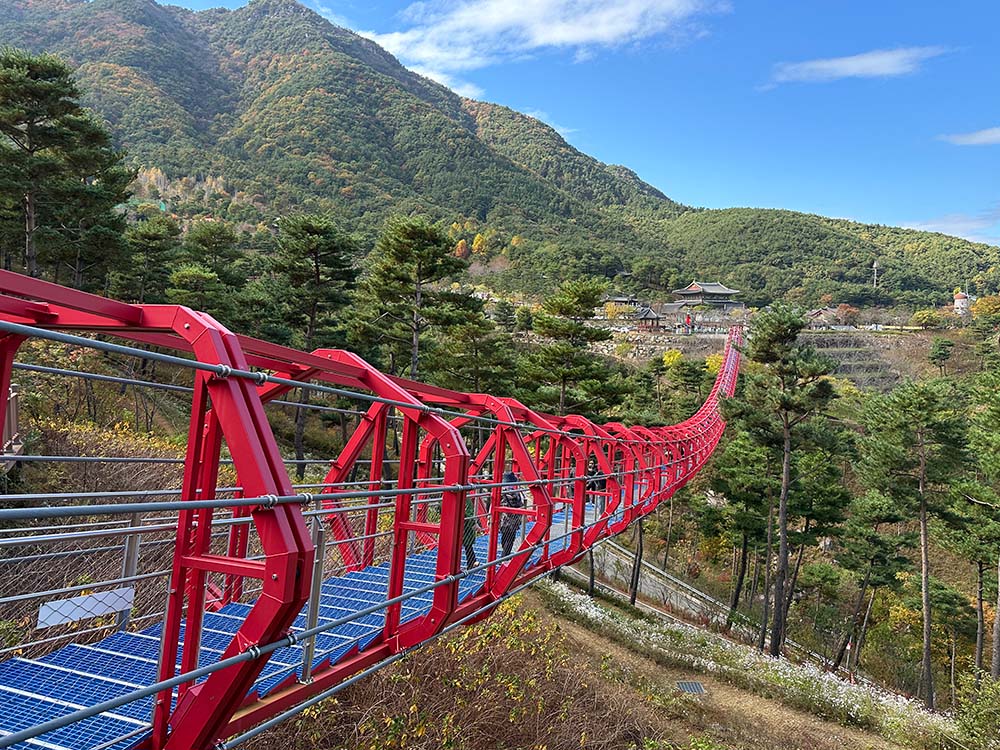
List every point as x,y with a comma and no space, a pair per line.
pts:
62,611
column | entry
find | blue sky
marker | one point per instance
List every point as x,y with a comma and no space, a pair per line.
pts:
883,111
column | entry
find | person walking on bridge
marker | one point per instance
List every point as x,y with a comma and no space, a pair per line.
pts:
511,496
470,531
597,485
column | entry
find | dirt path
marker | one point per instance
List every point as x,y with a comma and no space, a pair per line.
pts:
734,718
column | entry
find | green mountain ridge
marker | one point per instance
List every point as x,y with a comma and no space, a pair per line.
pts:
286,111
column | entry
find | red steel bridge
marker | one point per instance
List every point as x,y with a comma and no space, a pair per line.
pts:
186,603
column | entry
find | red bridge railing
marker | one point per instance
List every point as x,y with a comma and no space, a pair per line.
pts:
277,592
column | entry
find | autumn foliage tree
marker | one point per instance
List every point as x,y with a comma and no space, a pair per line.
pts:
986,307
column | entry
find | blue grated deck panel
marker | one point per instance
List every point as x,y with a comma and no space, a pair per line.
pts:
78,675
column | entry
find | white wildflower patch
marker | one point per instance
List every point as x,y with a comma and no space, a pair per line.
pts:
800,685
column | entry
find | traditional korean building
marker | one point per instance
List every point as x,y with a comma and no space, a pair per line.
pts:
710,293
623,300
648,319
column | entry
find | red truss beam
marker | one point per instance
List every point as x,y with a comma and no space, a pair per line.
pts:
640,467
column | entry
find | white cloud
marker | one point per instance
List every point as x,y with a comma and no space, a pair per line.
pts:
448,37
987,137
462,88
329,14
983,226
879,63
543,116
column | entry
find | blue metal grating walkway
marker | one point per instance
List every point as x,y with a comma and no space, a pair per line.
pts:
33,691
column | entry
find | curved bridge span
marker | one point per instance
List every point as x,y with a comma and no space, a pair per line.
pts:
189,603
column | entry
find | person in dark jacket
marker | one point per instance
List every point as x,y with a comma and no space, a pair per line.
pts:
510,497
596,483
470,531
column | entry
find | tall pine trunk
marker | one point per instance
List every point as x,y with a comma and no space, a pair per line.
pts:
300,411
980,619
741,570
762,637
995,663
590,579
30,224
670,531
77,282
415,332
781,575
790,587
852,627
751,594
925,582
852,662
636,565
300,434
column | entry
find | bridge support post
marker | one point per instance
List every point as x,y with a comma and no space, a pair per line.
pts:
130,564
312,613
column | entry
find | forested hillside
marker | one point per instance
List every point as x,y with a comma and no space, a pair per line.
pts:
770,252
248,114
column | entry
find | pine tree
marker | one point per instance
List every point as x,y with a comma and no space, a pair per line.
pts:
472,355
200,289
974,534
152,246
956,619
788,387
400,299
59,169
872,550
215,246
818,497
523,319
940,353
984,444
315,259
742,474
503,315
913,448
563,361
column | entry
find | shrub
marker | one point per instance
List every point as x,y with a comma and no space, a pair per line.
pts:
979,711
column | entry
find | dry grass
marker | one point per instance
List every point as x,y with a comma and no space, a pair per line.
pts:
797,687
510,682
734,718
527,678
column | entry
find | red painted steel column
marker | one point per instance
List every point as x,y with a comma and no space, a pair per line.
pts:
8,350
203,710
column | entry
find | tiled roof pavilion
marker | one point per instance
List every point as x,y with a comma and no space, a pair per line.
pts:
705,287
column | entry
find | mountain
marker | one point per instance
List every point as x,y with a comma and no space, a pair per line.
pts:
247,114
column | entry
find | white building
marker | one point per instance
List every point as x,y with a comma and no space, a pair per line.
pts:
962,303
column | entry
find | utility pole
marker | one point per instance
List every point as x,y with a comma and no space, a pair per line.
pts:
875,274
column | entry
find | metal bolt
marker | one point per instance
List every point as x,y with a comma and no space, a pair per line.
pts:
274,576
